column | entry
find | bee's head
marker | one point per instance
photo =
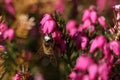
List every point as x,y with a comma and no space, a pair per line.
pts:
48,40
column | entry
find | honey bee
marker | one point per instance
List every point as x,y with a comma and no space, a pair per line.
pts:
47,48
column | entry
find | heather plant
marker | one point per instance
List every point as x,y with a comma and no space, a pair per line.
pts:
59,40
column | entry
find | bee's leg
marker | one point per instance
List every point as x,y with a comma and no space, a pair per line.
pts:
53,60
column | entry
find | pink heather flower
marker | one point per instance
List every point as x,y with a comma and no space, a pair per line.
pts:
83,62
102,22
71,24
115,47
73,32
86,15
106,50
17,77
103,71
93,16
87,23
98,42
73,75
9,34
93,70
56,35
85,77
46,18
84,41
49,26
3,28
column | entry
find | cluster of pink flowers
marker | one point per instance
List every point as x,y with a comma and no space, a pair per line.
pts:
49,26
90,18
87,66
87,69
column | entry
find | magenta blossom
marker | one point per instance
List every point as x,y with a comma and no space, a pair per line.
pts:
84,41
102,22
45,18
115,47
93,70
104,71
98,42
49,26
3,28
56,35
86,15
93,16
71,25
106,50
9,34
17,77
83,62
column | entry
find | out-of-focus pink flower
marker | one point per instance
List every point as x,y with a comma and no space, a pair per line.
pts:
38,76
48,26
86,15
71,25
8,1
45,18
73,32
56,35
59,6
102,22
73,75
9,34
3,28
93,16
93,69
84,41
98,42
83,62
10,9
115,47
103,71
85,77
17,77
106,50
117,7
101,4
87,23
